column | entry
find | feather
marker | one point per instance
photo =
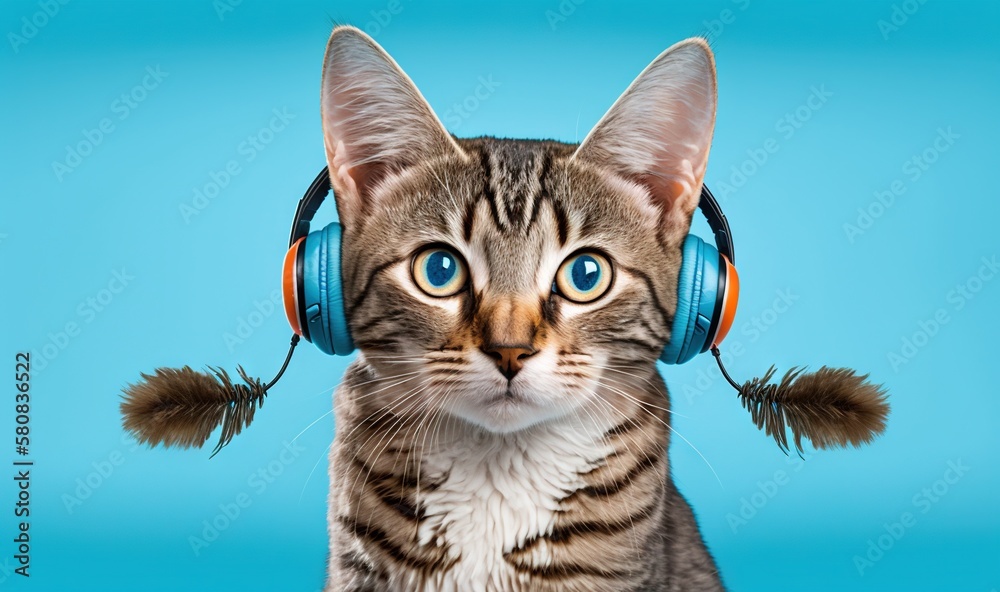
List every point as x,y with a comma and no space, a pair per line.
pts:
830,407
181,407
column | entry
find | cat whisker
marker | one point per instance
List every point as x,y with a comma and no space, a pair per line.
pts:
308,477
614,368
679,435
418,422
595,400
387,387
695,448
423,425
315,421
393,429
380,379
385,378
386,410
435,418
400,418
645,404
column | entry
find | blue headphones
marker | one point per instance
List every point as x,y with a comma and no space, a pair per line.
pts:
708,286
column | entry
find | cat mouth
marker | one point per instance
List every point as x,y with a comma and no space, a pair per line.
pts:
508,396
508,399
507,408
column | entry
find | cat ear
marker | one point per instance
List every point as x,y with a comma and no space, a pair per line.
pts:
375,121
658,133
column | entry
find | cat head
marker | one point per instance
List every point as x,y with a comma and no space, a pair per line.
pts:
511,282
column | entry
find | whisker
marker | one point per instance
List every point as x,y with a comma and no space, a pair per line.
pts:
378,449
635,535
319,460
632,398
681,436
312,424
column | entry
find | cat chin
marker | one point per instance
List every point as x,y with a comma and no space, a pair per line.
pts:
505,414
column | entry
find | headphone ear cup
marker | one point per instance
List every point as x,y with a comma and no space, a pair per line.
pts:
697,295
291,287
338,334
313,295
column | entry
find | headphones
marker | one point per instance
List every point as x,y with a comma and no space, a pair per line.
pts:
707,289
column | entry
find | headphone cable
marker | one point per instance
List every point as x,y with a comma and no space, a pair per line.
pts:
288,357
718,358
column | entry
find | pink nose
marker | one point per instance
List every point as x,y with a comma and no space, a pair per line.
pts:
509,359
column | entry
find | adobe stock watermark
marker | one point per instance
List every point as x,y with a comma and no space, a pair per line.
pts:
7,570
767,490
121,108
562,12
32,24
230,511
459,112
894,531
913,169
727,16
786,127
101,471
958,297
751,331
86,312
899,16
382,18
247,324
247,151
224,7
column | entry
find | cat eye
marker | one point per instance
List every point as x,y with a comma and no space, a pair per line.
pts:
439,272
584,277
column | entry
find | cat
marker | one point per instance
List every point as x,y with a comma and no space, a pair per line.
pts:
504,427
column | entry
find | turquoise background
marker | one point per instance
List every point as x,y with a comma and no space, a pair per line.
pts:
849,299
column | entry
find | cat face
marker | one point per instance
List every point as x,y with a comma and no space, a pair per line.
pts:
511,282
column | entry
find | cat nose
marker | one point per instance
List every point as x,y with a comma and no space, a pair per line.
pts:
509,358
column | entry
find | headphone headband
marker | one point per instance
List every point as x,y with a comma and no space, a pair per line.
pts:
320,187
309,205
712,211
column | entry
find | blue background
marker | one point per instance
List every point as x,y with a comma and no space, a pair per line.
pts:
854,299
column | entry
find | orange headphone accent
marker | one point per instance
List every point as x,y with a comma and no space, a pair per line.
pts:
289,287
729,299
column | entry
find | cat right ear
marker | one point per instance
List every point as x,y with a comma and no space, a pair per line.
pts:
658,133
375,121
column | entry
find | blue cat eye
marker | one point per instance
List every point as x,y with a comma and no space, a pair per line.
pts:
584,277
439,272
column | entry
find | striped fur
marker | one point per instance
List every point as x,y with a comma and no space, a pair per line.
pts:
445,476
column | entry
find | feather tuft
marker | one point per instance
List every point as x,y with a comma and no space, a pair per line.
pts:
182,407
831,407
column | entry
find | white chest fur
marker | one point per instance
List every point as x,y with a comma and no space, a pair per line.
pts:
499,491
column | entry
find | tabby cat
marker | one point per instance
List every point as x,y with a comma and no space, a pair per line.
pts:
504,427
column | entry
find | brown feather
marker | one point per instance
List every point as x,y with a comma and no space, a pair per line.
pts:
181,407
830,407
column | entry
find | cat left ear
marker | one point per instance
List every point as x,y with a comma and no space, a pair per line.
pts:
375,121
658,133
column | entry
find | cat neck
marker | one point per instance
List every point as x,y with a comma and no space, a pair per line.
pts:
477,502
